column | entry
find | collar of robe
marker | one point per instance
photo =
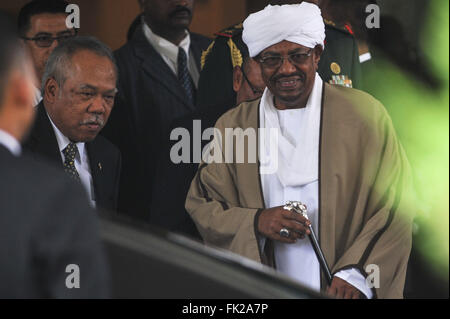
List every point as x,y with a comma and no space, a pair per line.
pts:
296,161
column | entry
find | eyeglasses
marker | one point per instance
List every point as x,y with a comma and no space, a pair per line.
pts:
275,61
257,92
46,41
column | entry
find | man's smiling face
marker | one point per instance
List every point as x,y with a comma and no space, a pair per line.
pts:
291,80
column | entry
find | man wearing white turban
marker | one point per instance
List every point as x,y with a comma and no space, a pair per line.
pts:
336,152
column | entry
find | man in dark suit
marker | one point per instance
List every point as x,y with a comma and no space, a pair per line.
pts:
74,109
158,75
49,243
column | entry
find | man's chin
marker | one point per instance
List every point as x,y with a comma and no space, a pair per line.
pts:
291,97
180,23
84,138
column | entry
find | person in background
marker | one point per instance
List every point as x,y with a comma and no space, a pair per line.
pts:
158,75
42,25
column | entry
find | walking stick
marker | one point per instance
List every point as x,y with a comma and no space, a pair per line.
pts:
300,208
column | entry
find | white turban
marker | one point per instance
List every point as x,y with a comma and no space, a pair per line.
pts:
298,23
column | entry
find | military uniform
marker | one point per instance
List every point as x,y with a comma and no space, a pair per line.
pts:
215,94
339,64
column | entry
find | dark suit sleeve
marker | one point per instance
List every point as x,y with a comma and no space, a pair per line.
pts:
68,234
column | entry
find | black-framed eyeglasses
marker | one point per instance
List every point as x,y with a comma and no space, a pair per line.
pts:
275,61
46,41
257,92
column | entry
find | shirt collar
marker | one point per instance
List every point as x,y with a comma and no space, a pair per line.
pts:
10,142
37,96
165,47
63,141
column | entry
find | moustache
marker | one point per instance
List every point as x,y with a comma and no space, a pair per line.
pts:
179,9
97,119
278,77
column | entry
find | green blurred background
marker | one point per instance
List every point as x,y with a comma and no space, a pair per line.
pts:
419,110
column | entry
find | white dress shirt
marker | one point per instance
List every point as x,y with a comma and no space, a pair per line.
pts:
169,52
37,96
365,57
10,142
299,134
81,162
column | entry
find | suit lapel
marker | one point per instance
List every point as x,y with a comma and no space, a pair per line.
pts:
42,141
155,67
196,52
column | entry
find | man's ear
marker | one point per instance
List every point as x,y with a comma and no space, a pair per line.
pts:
51,90
318,50
237,78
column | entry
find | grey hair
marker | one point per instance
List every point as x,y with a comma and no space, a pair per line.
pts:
59,62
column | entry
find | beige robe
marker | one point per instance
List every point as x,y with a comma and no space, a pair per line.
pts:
364,191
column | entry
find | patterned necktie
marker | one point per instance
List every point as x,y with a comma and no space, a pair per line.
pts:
184,77
70,152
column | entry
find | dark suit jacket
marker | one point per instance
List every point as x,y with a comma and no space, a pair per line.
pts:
104,159
45,225
149,103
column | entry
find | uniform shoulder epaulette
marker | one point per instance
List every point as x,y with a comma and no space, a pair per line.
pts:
346,28
227,34
205,55
231,31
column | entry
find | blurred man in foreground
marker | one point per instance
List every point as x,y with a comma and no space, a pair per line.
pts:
50,246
